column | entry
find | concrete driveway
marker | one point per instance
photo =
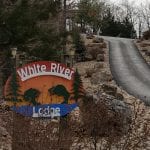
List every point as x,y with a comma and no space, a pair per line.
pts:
129,69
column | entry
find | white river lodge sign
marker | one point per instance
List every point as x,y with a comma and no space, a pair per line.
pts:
39,69
43,89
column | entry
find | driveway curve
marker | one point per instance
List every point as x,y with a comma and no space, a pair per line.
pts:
129,69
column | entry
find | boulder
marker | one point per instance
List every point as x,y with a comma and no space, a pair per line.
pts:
98,40
114,105
89,36
100,57
89,72
122,108
94,50
109,89
69,40
88,57
4,108
119,96
144,44
100,77
147,53
5,139
103,45
98,65
96,78
96,45
144,50
138,40
90,45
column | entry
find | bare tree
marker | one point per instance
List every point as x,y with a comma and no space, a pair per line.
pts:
140,21
146,14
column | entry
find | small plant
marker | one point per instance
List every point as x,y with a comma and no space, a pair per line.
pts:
77,90
14,88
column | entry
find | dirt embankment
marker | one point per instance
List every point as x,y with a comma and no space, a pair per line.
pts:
96,76
144,49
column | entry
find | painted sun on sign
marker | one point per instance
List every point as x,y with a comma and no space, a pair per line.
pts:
43,89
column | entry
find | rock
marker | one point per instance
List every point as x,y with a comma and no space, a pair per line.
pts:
103,45
5,139
98,66
92,46
109,89
94,51
89,45
147,53
89,95
75,114
69,40
88,57
144,44
122,108
119,96
89,72
144,50
98,40
100,77
101,51
114,105
4,107
138,41
89,36
100,57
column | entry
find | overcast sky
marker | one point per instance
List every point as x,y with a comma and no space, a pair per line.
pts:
136,1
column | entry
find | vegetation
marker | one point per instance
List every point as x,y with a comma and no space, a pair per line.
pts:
79,45
14,88
7,65
90,13
20,27
99,16
77,90
27,24
112,27
100,122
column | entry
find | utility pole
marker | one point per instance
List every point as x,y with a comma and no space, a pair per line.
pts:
64,14
1,86
64,7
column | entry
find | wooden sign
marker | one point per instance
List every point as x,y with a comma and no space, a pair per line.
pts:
43,89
